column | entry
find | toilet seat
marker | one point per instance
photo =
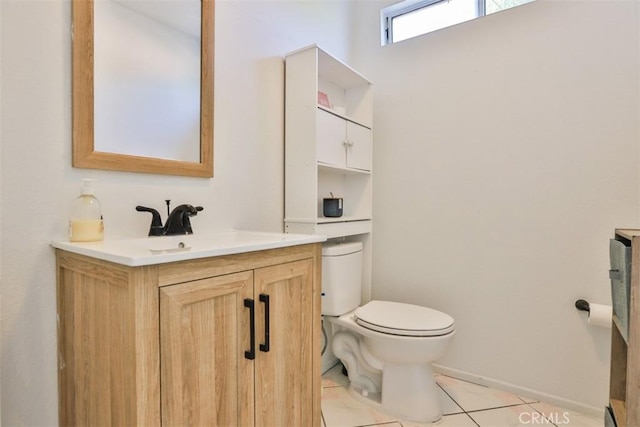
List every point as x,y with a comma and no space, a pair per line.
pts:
403,319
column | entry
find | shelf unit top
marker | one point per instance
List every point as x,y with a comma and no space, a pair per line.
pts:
334,70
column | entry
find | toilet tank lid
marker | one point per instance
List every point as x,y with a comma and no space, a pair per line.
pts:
336,249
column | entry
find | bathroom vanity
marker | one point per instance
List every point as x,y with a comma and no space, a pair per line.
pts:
190,333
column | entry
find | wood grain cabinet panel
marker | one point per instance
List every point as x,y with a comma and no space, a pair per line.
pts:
284,379
138,346
204,328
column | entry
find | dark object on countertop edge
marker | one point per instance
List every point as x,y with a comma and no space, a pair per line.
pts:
177,223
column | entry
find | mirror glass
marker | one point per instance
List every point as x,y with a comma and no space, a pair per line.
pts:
147,78
143,86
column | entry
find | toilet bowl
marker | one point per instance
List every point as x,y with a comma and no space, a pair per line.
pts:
393,370
386,347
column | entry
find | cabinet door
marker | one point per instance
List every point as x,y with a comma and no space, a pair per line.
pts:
284,373
204,332
330,139
359,147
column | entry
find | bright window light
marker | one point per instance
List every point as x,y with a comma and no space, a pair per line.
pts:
411,18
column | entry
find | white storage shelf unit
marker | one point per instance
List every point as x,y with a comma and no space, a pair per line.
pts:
328,149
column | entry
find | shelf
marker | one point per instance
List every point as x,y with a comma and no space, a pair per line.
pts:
624,378
318,163
329,150
325,220
333,168
627,233
344,228
338,72
342,116
339,228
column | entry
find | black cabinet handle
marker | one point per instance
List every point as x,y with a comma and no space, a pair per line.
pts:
249,303
265,299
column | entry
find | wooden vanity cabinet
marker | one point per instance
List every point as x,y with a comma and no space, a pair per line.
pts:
170,344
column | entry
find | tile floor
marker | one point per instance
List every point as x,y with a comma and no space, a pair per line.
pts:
464,404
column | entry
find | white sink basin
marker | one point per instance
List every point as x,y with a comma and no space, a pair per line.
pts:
159,250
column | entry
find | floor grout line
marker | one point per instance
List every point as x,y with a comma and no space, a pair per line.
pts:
500,407
450,397
471,418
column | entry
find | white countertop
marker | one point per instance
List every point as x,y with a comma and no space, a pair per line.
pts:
164,249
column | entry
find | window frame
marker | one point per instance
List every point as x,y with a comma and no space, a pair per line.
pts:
387,14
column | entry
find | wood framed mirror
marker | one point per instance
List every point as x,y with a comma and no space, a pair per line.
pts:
110,135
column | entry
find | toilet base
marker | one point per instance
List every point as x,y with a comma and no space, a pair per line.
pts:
408,392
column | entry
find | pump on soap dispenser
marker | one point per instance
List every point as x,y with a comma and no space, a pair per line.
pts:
85,222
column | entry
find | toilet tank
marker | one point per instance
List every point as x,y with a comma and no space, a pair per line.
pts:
341,277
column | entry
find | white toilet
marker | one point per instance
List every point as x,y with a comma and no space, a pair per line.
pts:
387,347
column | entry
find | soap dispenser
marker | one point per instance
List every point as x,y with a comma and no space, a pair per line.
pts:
85,222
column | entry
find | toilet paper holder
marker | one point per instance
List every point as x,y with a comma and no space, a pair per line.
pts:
583,305
598,314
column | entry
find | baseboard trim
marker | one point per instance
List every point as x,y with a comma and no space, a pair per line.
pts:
520,391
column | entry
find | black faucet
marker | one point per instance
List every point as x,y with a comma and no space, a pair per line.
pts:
177,223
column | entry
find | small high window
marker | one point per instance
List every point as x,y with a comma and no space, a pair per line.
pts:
411,18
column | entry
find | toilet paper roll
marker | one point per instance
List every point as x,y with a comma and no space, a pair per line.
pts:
600,315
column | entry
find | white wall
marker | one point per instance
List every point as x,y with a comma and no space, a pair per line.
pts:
38,182
505,153
501,222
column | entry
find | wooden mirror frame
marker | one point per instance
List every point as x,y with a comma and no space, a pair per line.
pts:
84,155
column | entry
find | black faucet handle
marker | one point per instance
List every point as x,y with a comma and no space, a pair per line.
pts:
156,222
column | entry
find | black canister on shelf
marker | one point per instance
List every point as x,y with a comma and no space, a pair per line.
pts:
332,207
